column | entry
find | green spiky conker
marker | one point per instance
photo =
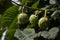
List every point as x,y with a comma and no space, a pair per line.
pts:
43,23
22,18
33,19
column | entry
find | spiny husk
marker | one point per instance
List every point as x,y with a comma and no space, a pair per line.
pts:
22,18
33,19
43,23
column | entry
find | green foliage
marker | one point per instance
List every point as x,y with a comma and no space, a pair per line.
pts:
35,5
9,15
10,34
14,24
11,30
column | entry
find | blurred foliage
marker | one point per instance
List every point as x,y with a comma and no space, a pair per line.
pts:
4,4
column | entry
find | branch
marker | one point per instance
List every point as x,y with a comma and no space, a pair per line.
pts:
42,9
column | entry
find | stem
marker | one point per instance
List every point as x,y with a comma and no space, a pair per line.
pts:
45,13
23,9
36,12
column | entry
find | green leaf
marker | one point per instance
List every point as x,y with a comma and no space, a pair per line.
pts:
14,24
11,30
10,34
35,4
9,16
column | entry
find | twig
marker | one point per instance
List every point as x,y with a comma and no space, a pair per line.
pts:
34,8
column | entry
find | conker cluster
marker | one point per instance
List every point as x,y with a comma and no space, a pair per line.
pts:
43,22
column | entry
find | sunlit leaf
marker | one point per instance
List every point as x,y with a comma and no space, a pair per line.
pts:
35,5
53,33
44,34
52,2
25,34
29,32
